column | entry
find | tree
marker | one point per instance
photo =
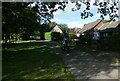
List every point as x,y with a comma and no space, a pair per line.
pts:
52,25
63,27
22,18
18,19
46,27
46,9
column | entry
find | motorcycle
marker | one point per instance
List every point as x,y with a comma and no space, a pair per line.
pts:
65,46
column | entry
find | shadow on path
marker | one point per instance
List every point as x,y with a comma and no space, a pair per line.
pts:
85,65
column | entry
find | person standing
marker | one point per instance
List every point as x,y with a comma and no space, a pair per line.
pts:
96,38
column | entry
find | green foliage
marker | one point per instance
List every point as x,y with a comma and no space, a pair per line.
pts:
72,36
63,27
25,36
52,25
46,10
113,42
36,33
106,21
85,40
18,18
55,36
48,35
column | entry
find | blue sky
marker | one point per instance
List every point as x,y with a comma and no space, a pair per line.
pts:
72,19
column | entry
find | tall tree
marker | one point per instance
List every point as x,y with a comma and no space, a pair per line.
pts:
45,10
18,18
52,25
64,27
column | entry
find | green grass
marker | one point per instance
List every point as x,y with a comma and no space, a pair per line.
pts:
32,61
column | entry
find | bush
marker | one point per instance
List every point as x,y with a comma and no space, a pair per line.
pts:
72,36
54,36
113,42
84,40
25,36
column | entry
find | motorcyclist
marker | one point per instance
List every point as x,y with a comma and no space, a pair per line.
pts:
65,41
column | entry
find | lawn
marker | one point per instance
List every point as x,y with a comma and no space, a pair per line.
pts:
32,60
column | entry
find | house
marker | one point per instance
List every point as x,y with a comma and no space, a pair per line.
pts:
109,28
56,29
89,28
78,31
75,31
105,29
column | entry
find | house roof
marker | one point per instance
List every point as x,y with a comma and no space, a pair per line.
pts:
78,30
56,29
75,30
110,26
91,25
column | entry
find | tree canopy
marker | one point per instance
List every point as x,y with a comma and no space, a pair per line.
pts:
63,27
46,9
18,18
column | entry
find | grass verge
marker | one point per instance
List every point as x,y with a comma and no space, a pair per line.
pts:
32,60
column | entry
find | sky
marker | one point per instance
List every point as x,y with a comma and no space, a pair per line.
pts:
72,19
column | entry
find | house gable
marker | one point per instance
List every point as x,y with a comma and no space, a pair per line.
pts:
91,26
56,29
110,26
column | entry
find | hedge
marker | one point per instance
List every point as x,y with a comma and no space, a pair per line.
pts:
72,36
54,36
48,35
113,42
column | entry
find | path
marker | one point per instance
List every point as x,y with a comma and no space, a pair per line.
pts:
86,66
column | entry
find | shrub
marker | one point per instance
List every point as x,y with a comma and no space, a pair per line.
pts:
72,36
25,36
113,42
55,36
84,40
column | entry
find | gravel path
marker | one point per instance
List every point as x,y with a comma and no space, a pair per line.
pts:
85,65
